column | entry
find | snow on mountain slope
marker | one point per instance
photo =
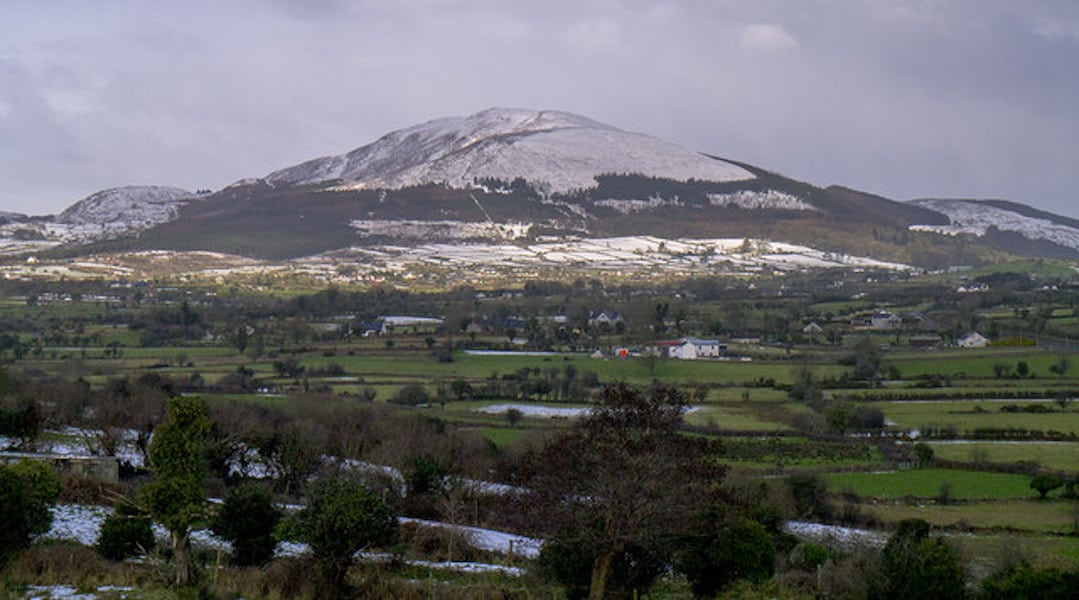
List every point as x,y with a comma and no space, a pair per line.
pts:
122,210
555,151
975,218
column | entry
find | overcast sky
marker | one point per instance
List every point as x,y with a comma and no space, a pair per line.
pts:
904,98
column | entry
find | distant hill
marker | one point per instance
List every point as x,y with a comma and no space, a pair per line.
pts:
511,176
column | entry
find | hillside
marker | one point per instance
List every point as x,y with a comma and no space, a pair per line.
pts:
517,178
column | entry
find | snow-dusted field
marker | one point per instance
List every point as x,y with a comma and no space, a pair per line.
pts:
844,537
976,219
81,523
537,410
627,256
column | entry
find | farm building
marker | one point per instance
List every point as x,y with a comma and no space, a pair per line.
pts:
688,348
884,319
972,340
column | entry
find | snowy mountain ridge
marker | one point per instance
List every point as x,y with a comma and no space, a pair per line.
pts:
976,218
555,151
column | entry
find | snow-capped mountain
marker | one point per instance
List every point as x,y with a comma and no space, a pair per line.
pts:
520,179
150,204
122,211
554,151
989,218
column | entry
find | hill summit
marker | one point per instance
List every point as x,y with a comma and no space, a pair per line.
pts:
554,151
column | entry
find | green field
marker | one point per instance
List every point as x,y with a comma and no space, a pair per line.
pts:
1038,516
970,415
927,483
1061,456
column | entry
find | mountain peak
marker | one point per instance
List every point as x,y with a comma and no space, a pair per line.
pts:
554,150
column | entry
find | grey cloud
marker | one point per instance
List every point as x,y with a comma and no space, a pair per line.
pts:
909,98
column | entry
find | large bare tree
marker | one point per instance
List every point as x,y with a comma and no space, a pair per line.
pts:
623,479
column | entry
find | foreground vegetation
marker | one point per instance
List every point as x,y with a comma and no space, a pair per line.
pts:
515,412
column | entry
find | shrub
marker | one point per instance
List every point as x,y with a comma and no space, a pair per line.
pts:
924,452
1024,582
247,519
570,565
1044,483
916,566
342,517
126,532
741,550
27,489
810,494
808,556
412,394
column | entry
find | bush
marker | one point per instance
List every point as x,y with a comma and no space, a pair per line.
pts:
412,394
342,517
741,550
247,520
126,532
810,494
924,452
1024,582
916,566
27,490
570,565
1044,483
808,556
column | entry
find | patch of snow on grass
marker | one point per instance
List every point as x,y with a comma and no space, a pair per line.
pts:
974,218
768,199
844,537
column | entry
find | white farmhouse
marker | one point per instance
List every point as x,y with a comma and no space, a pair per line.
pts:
694,348
973,340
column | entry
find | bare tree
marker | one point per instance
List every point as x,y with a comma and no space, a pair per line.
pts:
622,480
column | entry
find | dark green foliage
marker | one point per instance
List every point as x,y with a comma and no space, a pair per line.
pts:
570,565
1024,582
740,550
808,556
1044,483
412,394
20,416
924,452
247,520
633,571
425,475
126,532
810,494
176,497
342,517
916,566
27,490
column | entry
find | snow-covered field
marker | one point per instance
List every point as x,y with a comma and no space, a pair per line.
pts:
628,256
631,253
448,230
835,535
537,410
81,523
